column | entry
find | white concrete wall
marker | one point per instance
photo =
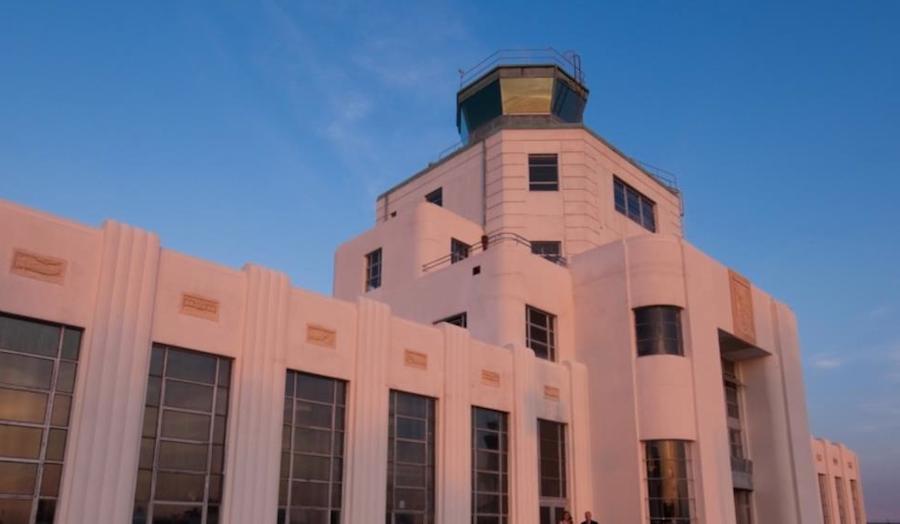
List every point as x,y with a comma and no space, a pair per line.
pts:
126,293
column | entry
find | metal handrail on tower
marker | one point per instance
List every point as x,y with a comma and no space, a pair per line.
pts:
568,61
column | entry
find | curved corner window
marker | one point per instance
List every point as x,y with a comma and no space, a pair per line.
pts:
658,330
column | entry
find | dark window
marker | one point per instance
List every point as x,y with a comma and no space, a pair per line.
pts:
842,506
552,467
312,449
459,250
658,330
38,363
543,173
460,320
825,499
478,109
857,505
743,506
633,204
540,332
373,270
490,466
436,197
182,454
549,249
668,481
567,104
411,461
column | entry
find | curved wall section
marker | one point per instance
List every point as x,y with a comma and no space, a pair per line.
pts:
655,270
665,398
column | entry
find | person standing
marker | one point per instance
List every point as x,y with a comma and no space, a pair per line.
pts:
566,518
587,518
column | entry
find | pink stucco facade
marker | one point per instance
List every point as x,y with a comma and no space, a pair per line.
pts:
673,385
839,483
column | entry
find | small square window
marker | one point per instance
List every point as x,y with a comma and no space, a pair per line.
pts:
549,249
459,250
634,204
543,173
436,197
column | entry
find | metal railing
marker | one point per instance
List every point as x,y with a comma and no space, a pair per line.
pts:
486,242
568,61
666,178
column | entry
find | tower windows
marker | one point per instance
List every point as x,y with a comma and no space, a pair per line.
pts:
459,250
543,173
552,470
436,197
373,270
634,204
540,332
658,330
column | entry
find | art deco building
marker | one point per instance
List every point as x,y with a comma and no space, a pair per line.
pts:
840,486
524,330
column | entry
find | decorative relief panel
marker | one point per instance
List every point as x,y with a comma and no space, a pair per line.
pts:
39,267
490,378
415,359
742,307
551,393
200,307
321,336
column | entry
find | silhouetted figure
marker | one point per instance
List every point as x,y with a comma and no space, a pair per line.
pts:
588,519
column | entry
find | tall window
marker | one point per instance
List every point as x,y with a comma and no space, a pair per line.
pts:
459,250
842,504
312,450
825,499
460,320
668,481
38,362
549,249
182,459
743,506
490,467
540,334
410,483
436,197
633,204
857,503
543,173
658,330
373,270
552,470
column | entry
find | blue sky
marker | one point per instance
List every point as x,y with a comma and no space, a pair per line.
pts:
232,129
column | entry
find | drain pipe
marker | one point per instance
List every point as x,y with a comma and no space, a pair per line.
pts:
484,183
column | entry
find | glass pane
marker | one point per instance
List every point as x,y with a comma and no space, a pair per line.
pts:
20,442
188,396
22,370
154,390
29,336
50,480
17,478
310,494
224,372
66,380
71,344
526,95
188,365
142,491
182,456
56,444
187,426
311,387
15,511
168,514
151,417
309,414
147,449
22,406
157,354
180,487
61,407
46,511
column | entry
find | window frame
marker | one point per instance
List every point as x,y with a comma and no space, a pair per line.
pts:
459,250
536,163
549,327
501,471
221,384
337,446
459,319
656,342
430,452
44,497
626,197
436,197
683,479
374,263
537,248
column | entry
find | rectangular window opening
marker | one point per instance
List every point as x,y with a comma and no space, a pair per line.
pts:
436,197
658,330
668,470
543,172
459,250
634,204
373,270
411,459
490,466
460,319
540,332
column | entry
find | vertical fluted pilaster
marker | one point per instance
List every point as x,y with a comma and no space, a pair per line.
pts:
368,431
102,451
456,429
251,478
580,427
525,495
